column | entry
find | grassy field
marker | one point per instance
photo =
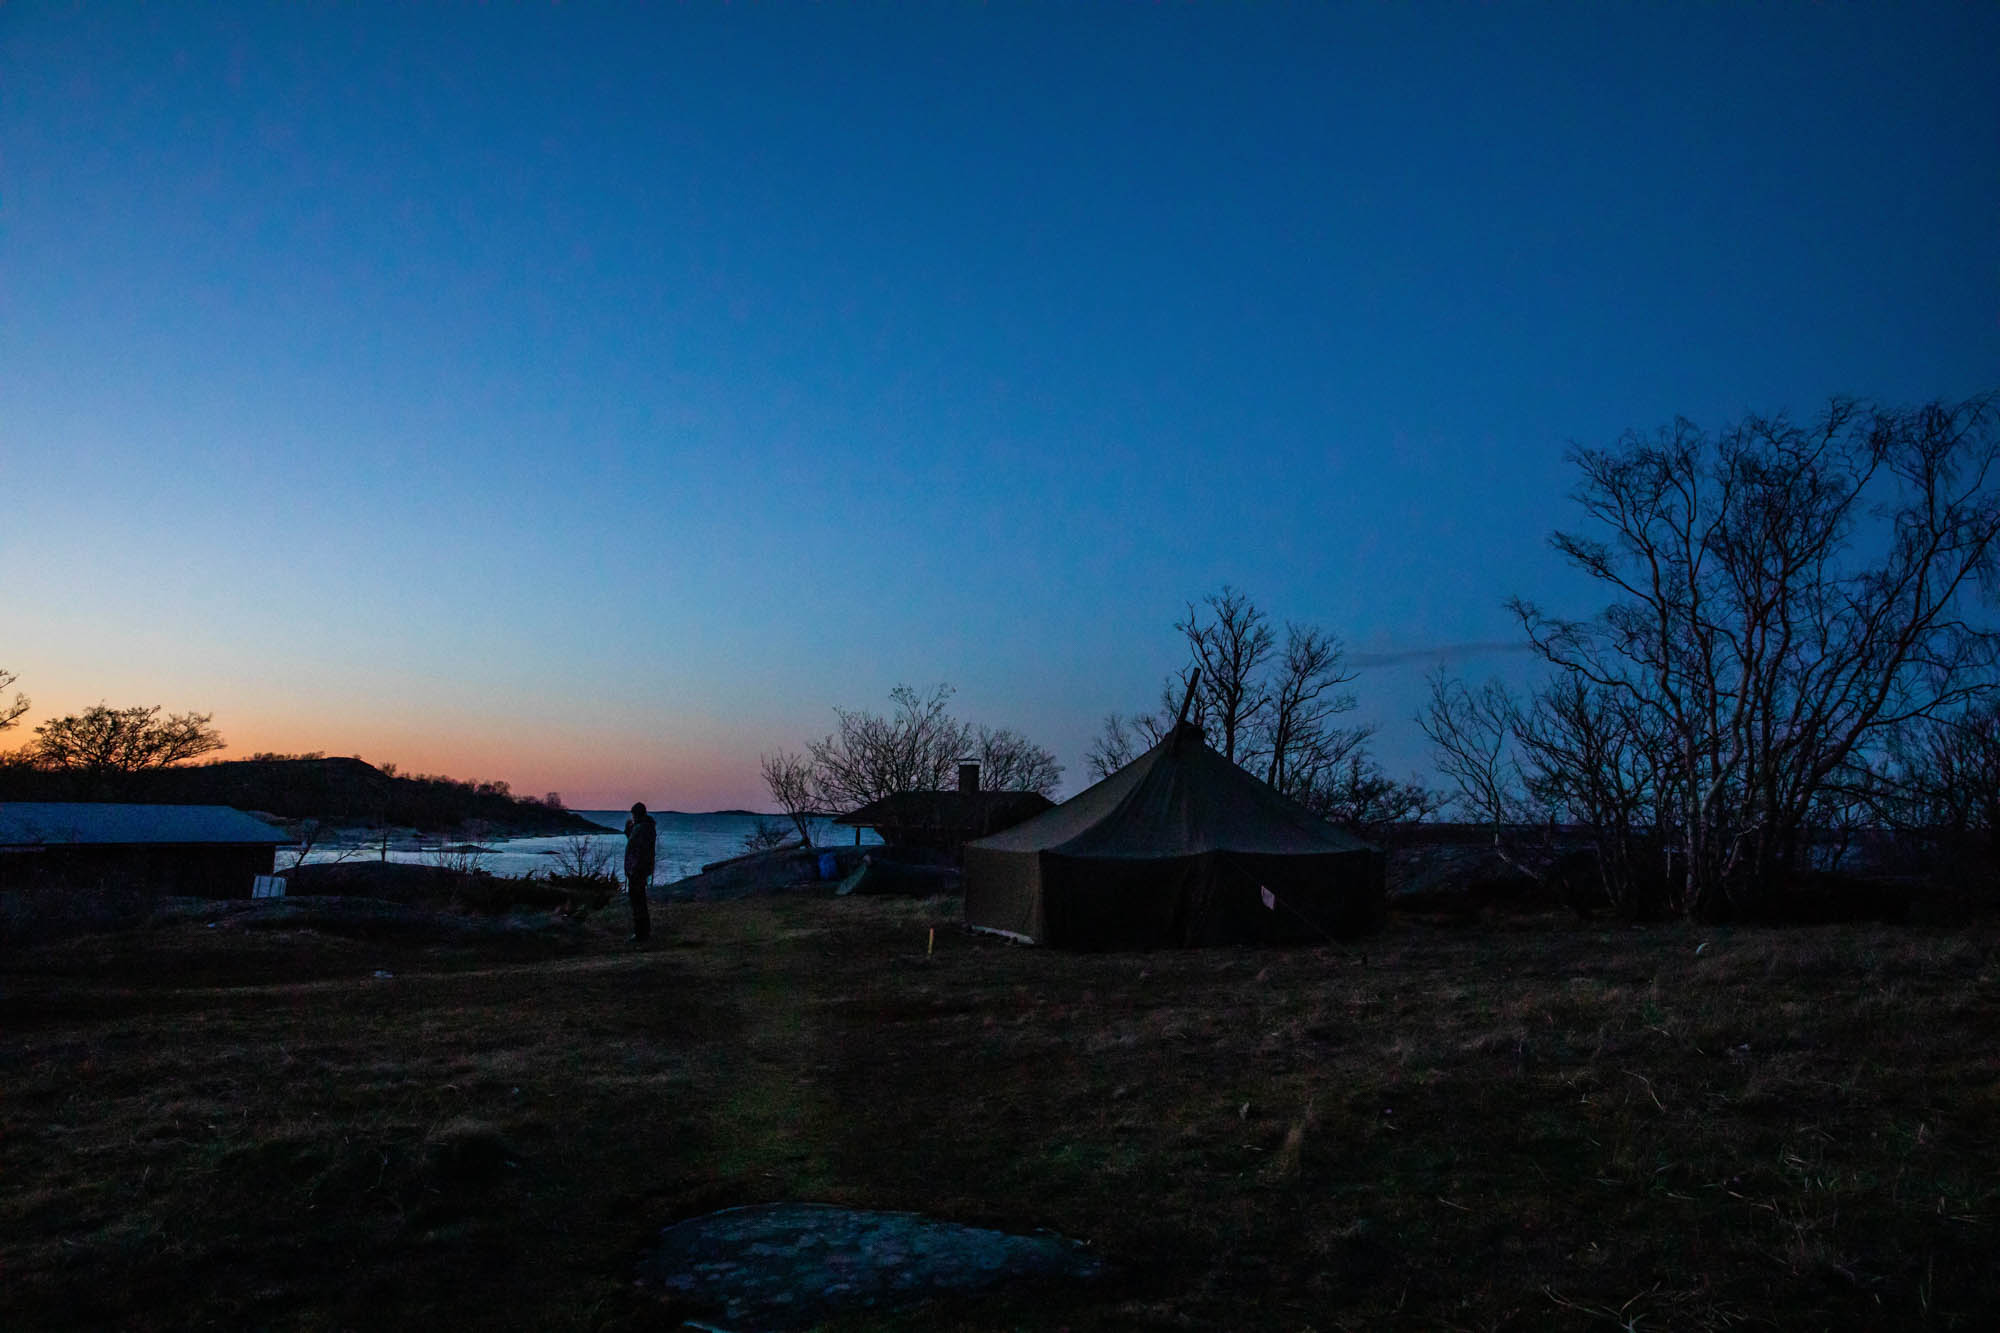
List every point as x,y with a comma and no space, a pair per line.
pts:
1536,1124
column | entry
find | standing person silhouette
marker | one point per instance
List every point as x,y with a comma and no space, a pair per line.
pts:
641,833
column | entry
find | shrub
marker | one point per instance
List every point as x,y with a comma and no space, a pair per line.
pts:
767,834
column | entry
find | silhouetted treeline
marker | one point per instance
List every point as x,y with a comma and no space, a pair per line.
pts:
340,791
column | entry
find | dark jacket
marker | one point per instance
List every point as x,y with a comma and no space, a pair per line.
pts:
640,835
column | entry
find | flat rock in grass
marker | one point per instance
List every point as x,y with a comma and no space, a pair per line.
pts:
774,1268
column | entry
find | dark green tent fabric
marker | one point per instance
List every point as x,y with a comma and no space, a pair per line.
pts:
1179,847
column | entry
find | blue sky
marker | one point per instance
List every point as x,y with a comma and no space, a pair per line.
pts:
595,397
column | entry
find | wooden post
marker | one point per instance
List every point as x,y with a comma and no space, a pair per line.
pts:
1186,700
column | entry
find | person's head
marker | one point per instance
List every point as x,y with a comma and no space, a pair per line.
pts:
638,807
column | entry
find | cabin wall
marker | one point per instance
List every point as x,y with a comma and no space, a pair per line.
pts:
191,871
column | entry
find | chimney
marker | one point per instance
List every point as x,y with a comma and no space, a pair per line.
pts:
968,775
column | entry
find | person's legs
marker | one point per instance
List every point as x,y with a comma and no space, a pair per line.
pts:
642,920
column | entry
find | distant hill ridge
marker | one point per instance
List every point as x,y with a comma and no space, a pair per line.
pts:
338,790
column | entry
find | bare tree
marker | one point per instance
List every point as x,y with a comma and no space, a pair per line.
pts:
1230,642
1596,762
1357,794
789,779
106,746
1180,702
586,858
1114,746
1748,631
1939,788
1272,711
1472,743
1297,738
1475,744
465,858
917,748
765,835
1125,737
316,835
1009,761
869,756
10,712
1266,714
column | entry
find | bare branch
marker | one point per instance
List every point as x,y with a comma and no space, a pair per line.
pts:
1230,646
10,711
789,779
917,748
107,746
1785,597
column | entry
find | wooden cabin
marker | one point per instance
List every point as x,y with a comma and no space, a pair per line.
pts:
204,851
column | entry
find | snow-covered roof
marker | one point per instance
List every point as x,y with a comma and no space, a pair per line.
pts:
93,823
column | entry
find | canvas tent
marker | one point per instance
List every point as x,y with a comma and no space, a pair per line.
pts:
1179,847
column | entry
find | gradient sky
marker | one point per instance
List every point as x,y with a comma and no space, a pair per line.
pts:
595,397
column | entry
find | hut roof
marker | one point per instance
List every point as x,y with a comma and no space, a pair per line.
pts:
91,823
970,812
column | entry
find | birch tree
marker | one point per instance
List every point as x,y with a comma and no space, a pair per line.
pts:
1594,761
1940,787
1784,597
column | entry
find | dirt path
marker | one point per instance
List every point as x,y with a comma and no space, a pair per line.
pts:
775,1098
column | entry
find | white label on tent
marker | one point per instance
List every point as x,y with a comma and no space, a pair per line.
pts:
268,886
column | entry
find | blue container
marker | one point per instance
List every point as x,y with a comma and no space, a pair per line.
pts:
829,866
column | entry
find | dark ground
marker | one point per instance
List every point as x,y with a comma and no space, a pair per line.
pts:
1535,1124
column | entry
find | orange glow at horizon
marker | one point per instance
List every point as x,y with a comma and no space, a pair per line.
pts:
590,774
687,765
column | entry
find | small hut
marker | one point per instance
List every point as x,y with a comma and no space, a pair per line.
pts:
210,851
944,821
